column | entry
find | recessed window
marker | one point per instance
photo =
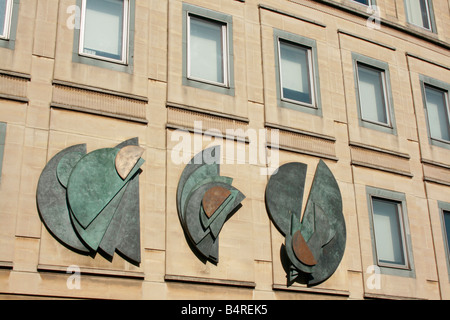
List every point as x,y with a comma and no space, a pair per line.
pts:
446,216
104,30
297,72
207,50
437,110
364,2
5,18
444,208
418,13
389,233
296,75
373,101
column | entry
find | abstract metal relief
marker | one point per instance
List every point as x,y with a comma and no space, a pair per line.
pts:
90,202
205,200
315,243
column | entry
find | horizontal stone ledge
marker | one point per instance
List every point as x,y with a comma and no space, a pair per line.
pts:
366,39
100,90
280,287
298,131
436,172
302,142
435,163
199,280
98,113
437,181
13,86
438,64
94,272
6,264
204,112
377,149
305,152
288,14
381,168
387,296
14,98
14,74
208,133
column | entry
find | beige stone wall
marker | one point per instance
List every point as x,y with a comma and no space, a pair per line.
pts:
50,102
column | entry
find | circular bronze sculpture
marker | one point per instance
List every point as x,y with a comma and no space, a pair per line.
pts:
315,243
205,200
90,201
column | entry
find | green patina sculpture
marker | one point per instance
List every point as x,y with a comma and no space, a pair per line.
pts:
91,201
315,243
205,200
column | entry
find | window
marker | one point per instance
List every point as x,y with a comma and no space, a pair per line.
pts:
104,30
418,13
446,217
436,101
437,111
297,72
373,100
444,208
5,18
389,233
207,50
296,77
364,2
391,241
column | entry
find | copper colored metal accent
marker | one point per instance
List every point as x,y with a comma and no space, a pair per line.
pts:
126,159
301,250
213,198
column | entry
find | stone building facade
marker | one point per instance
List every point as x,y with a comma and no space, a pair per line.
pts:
372,103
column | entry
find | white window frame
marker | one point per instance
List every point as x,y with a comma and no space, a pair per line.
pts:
400,215
225,44
125,34
446,101
385,95
427,6
7,25
311,72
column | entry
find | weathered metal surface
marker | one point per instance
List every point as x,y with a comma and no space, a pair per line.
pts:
93,183
213,198
93,234
86,204
315,245
127,158
301,249
324,219
123,233
284,194
66,165
52,203
205,200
